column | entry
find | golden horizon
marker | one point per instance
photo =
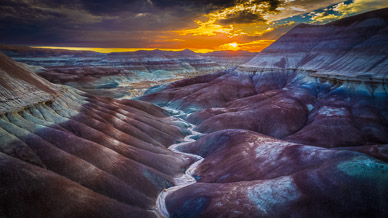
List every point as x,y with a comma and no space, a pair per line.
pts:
110,50
226,47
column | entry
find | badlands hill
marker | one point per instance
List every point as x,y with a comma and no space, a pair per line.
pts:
354,48
65,153
121,74
301,130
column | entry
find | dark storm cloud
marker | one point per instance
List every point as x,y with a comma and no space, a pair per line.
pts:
212,5
203,5
57,21
247,16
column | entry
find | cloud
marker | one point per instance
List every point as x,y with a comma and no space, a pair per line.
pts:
254,18
299,7
260,33
345,9
208,28
242,17
241,12
324,17
123,23
360,6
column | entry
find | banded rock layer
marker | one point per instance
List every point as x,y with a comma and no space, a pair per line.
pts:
121,74
67,153
354,48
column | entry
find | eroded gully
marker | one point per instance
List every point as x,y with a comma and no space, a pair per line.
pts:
187,178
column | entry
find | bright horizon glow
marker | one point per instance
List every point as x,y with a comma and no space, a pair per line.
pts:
233,44
253,46
110,50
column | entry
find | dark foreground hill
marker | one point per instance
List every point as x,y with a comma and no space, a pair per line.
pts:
65,153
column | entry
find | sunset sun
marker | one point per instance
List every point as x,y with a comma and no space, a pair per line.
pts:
233,44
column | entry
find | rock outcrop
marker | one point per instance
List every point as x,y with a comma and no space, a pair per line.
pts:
20,87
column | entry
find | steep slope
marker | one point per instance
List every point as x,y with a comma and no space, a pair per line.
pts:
353,49
67,153
20,87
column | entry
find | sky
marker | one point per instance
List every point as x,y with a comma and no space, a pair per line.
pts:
199,25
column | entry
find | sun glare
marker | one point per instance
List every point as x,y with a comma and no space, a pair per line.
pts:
233,44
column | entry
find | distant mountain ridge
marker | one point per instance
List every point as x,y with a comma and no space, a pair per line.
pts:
13,50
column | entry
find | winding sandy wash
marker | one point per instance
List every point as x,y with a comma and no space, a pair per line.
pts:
187,178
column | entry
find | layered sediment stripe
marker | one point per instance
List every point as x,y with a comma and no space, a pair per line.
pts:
110,147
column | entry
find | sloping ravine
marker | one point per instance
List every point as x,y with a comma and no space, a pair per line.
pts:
187,178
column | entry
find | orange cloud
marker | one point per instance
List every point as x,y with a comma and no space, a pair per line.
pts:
244,18
208,28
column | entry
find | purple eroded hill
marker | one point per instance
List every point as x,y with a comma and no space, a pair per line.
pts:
301,130
66,153
351,48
